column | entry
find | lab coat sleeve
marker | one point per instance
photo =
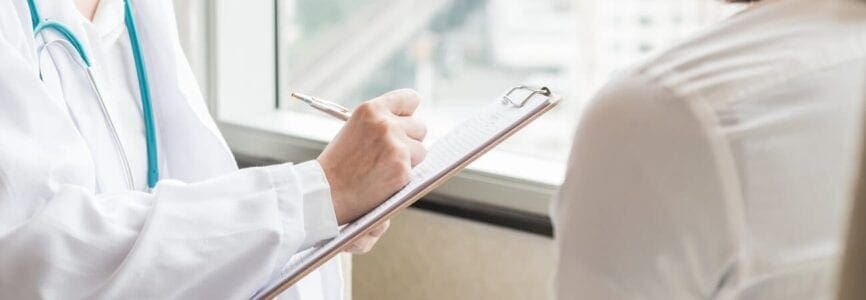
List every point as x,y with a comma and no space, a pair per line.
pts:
219,238
642,212
320,220
215,238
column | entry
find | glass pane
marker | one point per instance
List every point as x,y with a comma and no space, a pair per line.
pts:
461,53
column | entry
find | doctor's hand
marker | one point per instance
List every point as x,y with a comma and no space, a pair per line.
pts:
371,157
365,243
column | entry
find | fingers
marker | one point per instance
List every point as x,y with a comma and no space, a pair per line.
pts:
402,102
366,243
414,128
415,132
390,142
378,231
417,152
362,245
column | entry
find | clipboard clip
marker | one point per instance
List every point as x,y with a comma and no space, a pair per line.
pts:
507,98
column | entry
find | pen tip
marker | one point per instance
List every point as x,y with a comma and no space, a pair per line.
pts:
302,97
299,96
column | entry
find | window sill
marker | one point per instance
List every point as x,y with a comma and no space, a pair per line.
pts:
498,178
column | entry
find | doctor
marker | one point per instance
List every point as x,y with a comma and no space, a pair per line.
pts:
132,193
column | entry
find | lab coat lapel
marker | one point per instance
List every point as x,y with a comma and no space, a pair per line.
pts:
29,117
190,145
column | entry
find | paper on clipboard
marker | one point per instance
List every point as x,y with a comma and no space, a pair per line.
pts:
447,156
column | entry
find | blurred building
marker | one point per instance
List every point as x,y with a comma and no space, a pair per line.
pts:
626,31
460,53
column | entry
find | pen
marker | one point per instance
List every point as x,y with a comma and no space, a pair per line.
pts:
325,106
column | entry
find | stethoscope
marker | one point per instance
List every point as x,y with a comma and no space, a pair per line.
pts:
71,43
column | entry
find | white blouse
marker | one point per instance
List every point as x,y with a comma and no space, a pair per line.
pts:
721,168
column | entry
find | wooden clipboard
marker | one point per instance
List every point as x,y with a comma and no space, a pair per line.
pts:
327,250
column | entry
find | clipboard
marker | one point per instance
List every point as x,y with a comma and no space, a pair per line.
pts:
448,156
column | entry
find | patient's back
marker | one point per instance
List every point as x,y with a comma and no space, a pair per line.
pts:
722,168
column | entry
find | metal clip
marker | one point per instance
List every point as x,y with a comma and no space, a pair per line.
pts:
508,100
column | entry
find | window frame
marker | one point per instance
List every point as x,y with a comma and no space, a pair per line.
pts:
240,43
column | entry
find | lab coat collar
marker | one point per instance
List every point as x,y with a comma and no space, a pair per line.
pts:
67,14
108,19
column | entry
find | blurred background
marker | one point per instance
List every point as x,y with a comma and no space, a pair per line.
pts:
460,53
485,234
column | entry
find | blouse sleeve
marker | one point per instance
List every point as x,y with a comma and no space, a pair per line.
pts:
641,213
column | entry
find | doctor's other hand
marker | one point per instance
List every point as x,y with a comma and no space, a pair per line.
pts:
371,157
366,243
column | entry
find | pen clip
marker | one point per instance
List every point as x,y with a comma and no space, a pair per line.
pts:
325,106
331,105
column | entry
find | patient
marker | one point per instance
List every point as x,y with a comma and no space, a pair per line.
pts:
723,167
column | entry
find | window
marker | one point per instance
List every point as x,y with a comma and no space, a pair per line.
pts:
457,53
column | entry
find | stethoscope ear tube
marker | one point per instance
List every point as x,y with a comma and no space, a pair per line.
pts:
124,159
66,46
100,100
66,33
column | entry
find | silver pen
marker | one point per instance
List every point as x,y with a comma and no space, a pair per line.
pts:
328,107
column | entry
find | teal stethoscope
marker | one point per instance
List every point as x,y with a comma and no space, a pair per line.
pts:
70,43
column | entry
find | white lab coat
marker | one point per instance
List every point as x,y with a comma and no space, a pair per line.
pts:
723,167
208,230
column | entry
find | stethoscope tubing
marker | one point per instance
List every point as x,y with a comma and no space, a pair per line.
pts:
94,86
71,41
144,91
